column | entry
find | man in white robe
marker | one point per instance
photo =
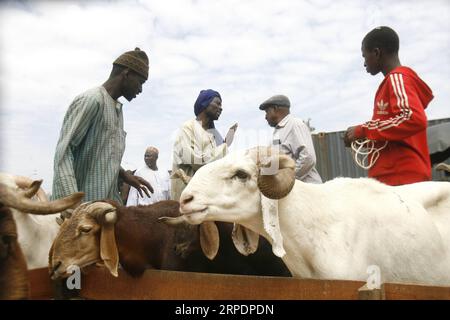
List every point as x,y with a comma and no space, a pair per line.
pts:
157,178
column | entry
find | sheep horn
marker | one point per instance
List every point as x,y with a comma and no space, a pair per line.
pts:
103,212
66,214
18,200
443,166
33,189
277,186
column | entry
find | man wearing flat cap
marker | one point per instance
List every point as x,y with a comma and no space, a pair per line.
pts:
92,140
293,137
198,142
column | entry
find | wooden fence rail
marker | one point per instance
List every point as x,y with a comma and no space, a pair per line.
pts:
170,285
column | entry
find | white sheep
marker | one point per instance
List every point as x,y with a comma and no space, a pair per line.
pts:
36,233
336,230
14,282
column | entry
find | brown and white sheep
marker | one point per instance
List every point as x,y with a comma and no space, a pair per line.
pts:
105,232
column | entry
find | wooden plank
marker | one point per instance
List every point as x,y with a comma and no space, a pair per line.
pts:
394,291
41,287
170,285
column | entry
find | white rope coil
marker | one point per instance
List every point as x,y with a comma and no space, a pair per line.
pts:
365,153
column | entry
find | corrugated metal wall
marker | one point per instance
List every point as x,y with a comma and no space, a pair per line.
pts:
335,160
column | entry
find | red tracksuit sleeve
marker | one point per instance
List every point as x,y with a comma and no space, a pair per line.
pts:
406,112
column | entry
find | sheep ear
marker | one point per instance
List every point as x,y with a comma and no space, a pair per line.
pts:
269,210
245,240
108,249
209,239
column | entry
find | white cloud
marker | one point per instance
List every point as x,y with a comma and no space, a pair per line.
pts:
247,50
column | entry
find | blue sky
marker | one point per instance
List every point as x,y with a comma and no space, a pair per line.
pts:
247,50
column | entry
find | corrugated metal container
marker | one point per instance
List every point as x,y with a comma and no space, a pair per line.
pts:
335,160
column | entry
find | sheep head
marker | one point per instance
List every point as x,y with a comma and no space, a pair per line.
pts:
208,232
237,189
86,238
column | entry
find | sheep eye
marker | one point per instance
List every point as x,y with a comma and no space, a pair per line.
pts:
241,175
85,229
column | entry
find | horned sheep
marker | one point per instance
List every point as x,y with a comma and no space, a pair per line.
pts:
36,233
103,232
13,267
336,230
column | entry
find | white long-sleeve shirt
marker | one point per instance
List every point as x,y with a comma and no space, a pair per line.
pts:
293,137
159,180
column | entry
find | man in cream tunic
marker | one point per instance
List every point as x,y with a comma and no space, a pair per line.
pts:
198,142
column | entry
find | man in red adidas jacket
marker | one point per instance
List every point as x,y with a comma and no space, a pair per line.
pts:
398,116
